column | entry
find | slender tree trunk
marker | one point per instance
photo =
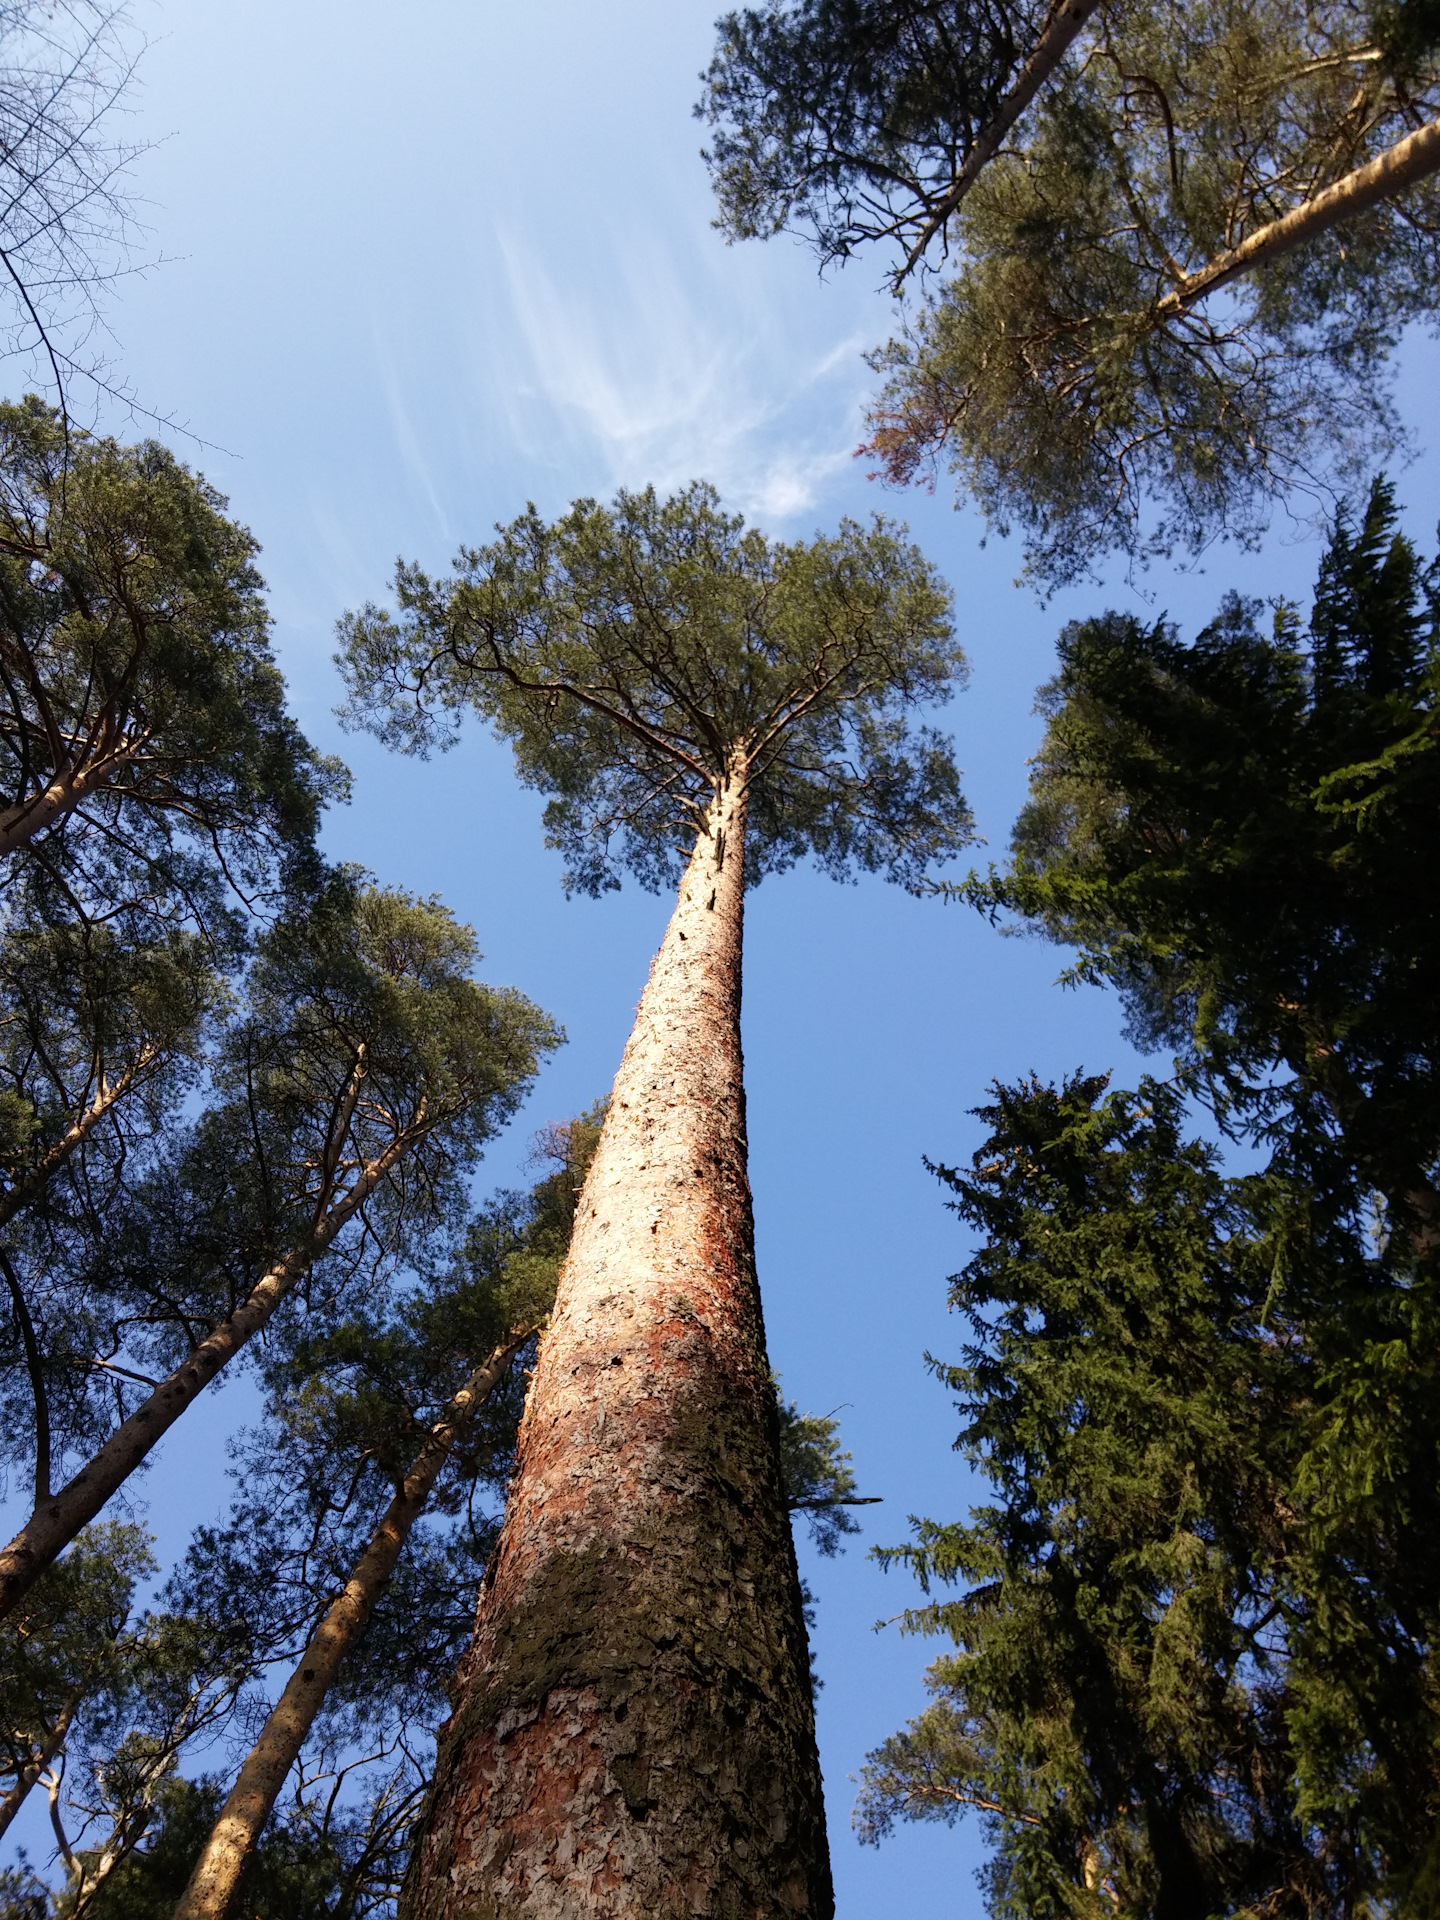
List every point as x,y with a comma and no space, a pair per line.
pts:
1404,165
29,1774
217,1872
108,1095
1062,24
56,1521
633,1733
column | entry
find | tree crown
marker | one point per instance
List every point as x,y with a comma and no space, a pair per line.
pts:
1079,373
1228,829
141,710
363,1042
850,119
1193,1661
641,656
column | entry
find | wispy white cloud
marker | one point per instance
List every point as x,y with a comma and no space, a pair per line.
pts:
670,363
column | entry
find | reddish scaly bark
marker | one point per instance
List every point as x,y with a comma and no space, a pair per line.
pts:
633,1733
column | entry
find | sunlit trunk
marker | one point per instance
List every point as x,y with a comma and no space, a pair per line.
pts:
633,1732
1389,174
22,822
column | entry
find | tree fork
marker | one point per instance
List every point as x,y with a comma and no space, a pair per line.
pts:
633,1733
252,1798
40,1760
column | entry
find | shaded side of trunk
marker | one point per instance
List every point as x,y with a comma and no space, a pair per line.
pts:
251,1799
633,1733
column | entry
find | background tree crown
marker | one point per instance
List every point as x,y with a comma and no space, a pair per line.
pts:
1078,373
1193,1628
640,656
142,715
1228,831
848,120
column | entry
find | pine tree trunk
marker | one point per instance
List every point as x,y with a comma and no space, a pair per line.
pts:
1392,172
1062,24
633,1733
252,1798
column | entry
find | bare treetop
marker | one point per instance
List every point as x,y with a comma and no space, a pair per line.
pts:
65,220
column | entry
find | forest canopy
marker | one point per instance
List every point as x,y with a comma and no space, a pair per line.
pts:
1167,302
1195,1630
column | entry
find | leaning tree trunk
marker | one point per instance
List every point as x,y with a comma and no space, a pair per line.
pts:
633,1733
59,1517
35,1767
252,1799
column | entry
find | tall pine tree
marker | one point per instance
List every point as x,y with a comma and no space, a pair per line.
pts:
633,1732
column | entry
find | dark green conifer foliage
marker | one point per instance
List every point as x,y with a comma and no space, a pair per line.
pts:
1195,1626
63,1656
850,119
1233,832
1198,1646
304,1869
817,1476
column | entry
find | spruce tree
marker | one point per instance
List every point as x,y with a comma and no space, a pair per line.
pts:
1204,1605
1227,830
1194,1627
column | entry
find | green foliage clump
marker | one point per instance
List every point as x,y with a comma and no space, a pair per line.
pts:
1195,1631
1061,376
142,716
307,1867
819,1481
65,1649
1076,369
640,657
1229,832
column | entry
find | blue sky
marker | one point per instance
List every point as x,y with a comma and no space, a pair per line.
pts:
425,264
